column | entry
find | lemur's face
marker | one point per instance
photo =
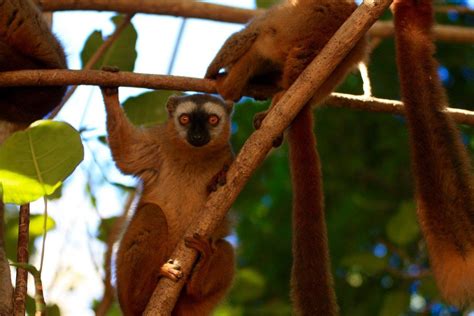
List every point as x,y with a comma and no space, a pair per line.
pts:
199,119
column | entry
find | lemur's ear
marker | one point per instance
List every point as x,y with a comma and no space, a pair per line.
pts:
172,103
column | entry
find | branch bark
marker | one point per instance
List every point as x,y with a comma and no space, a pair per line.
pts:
201,10
183,8
260,142
372,104
115,79
444,33
164,82
6,288
19,298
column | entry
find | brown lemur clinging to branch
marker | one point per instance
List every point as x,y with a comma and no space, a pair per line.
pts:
27,43
275,48
179,163
441,165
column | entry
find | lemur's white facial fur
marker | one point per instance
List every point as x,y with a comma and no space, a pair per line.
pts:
199,120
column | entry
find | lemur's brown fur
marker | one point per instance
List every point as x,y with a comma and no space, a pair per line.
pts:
175,178
276,47
442,169
27,43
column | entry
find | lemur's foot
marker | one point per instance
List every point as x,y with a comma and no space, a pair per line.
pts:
219,179
171,270
257,122
205,247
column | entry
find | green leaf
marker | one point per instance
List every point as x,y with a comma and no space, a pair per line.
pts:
36,231
266,3
123,187
395,303
365,262
121,53
34,162
37,223
147,108
403,227
249,285
105,227
51,310
428,288
93,42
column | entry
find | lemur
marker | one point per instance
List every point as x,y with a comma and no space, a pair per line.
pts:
441,165
276,47
178,163
27,43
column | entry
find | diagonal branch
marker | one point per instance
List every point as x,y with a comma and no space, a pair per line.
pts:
260,142
163,82
209,11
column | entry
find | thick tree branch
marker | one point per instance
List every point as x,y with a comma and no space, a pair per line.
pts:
260,142
115,79
201,10
183,8
164,82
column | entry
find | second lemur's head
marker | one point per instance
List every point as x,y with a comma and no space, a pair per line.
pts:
200,119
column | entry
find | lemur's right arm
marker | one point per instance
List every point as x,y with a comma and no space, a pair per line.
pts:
132,148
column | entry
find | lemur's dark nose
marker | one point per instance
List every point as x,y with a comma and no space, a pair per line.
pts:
198,139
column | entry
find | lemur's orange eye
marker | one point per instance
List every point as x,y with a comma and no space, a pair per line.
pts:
213,120
184,119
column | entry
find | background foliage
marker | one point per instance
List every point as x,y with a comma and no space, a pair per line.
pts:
379,260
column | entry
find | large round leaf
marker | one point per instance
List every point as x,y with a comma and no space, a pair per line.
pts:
34,162
148,108
121,53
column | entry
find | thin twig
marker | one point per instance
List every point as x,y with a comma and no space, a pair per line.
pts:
19,298
177,44
178,83
45,233
260,142
94,59
40,305
454,8
443,33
